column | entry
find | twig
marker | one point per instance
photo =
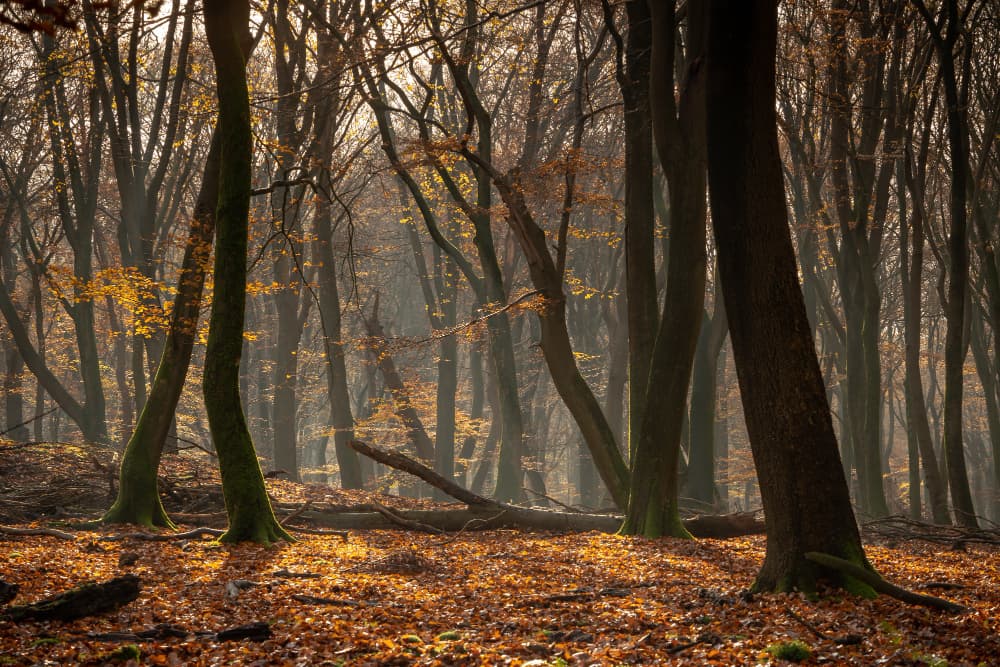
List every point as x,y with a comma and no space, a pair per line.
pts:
286,574
942,585
468,525
568,508
28,421
193,444
312,599
809,626
297,513
404,522
703,638
317,531
451,331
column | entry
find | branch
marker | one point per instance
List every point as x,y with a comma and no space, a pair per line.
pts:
406,464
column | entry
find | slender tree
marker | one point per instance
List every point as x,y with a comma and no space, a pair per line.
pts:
250,515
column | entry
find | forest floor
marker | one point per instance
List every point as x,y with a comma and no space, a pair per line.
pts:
481,598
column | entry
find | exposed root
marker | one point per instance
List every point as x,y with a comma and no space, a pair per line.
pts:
880,585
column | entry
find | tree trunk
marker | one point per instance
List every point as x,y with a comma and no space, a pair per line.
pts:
955,348
806,502
679,130
640,262
703,454
912,264
138,499
247,504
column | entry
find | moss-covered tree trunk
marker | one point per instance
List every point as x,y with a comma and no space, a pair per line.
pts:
806,502
250,515
679,130
138,498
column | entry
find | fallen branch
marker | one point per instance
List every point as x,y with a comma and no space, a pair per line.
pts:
50,532
158,631
806,624
286,574
568,508
165,537
880,585
404,522
583,593
294,515
317,531
703,638
258,631
28,421
406,464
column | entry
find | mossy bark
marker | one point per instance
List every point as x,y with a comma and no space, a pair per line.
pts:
251,517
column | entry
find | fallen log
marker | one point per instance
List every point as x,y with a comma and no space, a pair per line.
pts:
722,526
483,513
85,600
468,519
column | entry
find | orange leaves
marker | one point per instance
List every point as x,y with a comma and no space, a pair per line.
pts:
495,598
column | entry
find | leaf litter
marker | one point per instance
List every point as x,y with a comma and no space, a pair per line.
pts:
499,597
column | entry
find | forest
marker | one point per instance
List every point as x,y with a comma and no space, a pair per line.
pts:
523,332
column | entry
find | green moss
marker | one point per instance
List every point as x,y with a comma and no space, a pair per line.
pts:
45,641
449,636
793,651
125,653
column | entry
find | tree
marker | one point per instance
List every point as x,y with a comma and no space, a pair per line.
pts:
250,515
806,501
945,36
678,127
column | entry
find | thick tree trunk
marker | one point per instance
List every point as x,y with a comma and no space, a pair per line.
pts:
806,502
247,504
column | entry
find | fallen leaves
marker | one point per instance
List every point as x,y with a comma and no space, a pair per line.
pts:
500,597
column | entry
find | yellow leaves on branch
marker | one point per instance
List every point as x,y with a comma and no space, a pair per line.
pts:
136,294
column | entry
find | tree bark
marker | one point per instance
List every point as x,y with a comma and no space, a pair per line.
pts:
806,502
247,505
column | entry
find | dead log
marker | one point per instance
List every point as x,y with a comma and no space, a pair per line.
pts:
256,632
451,521
85,600
49,532
483,513
722,526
